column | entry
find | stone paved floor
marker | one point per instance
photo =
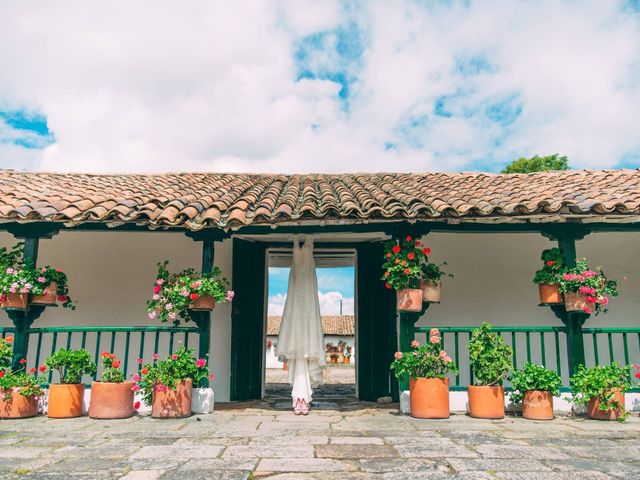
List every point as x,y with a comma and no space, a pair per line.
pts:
371,442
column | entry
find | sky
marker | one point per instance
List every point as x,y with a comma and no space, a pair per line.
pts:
334,284
307,86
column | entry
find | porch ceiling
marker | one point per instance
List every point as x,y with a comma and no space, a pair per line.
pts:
196,201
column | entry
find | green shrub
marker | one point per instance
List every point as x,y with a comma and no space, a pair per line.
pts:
490,356
534,377
72,365
597,382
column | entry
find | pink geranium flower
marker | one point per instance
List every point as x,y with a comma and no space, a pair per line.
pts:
398,355
201,362
434,339
155,356
230,295
135,377
135,387
415,344
434,331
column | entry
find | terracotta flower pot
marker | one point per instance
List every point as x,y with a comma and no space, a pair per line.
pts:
285,366
16,300
346,360
409,300
549,293
430,291
65,400
575,301
173,403
48,297
594,412
18,406
486,402
429,397
111,400
537,405
334,359
205,302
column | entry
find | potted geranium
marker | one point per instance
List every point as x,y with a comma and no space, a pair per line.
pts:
346,355
112,397
19,391
428,367
66,397
587,290
601,389
175,294
403,271
50,286
548,278
166,385
534,386
490,359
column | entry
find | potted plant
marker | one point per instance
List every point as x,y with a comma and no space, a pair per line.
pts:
346,356
19,391
490,359
548,278
431,281
601,389
403,271
587,290
174,295
334,357
534,386
112,397
51,285
66,397
167,384
428,367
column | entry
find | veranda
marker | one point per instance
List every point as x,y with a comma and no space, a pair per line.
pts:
108,233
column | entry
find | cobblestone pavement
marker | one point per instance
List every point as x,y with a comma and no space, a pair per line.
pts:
371,442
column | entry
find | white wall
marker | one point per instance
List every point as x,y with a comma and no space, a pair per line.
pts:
111,275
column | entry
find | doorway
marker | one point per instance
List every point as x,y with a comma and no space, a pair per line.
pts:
375,325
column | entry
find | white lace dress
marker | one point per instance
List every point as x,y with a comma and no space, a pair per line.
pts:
301,341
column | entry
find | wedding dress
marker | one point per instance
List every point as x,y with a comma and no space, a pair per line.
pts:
301,341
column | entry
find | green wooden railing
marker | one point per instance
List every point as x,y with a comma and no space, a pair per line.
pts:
128,343
545,345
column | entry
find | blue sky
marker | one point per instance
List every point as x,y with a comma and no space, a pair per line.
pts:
334,284
344,85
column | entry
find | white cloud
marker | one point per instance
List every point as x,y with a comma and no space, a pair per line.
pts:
329,304
155,86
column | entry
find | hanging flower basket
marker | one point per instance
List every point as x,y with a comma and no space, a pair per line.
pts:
550,294
575,302
16,300
549,276
409,300
48,296
204,303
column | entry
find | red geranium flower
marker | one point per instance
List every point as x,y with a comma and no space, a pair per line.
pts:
388,286
144,371
1,373
9,339
426,251
136,405
116,364
194,297
157,289
23,361
550,262
411,256
407,271
388,255
33,370
62,298
404,262
386,274
408,239
43,368
397,260
396,249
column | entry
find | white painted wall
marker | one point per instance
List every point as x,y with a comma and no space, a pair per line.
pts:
111,275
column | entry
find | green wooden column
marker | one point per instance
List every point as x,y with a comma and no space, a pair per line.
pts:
566,238
202,318
407,335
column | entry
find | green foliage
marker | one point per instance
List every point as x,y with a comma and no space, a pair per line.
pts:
29,385
534,377
174,294
71,365
111,372
168,373
597,382
425,361
553,267
20,276
490,356
406,262
592,283
537,164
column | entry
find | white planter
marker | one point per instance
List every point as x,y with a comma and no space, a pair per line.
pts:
202,400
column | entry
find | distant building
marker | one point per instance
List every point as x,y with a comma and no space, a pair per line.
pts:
336,328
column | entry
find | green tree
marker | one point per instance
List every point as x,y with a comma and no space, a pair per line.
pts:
537,164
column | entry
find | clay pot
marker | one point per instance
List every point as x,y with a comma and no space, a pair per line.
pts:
594,412
486,402
65,400
48,297
575,301
285,366
346,360
409,300
429,397
537,405
173,403
111,400
16,300
430,292
204,303
334,359
549,293
18,406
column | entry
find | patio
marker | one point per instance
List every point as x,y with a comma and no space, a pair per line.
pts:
243,442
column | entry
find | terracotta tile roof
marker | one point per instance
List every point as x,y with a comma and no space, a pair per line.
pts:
199,200
331,325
